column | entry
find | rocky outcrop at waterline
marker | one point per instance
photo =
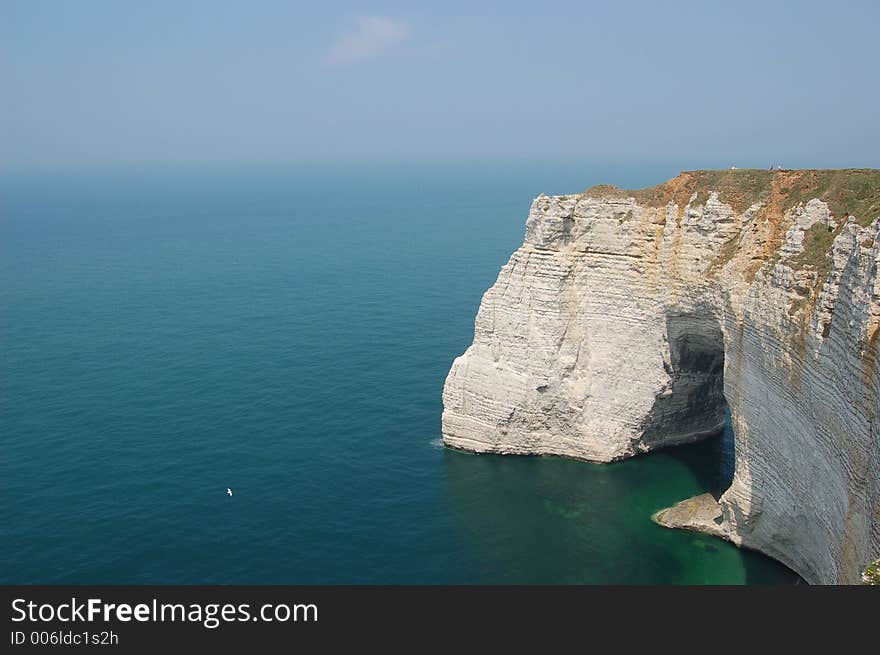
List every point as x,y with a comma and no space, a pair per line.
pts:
630,320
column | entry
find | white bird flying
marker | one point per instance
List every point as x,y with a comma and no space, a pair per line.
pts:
228,491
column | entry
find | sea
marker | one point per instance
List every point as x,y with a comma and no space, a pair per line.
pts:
284,332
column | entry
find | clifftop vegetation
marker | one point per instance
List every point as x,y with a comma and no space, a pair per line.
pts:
848,191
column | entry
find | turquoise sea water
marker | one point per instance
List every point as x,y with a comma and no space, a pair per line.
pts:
286,333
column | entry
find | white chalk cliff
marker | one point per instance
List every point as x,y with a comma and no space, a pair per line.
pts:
628,321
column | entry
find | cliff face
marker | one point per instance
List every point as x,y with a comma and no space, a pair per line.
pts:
627,321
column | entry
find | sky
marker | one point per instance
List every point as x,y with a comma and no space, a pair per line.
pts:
113,83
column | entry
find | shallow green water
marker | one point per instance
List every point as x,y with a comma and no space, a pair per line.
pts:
589,523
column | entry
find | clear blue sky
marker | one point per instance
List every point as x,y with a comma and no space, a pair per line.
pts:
107,83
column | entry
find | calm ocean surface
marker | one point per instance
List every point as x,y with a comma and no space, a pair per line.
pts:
286,333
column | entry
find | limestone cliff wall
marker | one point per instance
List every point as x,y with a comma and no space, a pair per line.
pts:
627,318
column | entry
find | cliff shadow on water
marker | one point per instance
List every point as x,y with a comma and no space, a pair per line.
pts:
711,461
554,520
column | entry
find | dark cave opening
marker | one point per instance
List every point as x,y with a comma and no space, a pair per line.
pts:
693,407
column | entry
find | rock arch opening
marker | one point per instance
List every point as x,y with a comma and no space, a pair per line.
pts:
692,406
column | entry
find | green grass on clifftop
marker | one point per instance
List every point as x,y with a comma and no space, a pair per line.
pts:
848,191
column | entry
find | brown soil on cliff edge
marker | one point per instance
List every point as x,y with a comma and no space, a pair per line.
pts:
848,191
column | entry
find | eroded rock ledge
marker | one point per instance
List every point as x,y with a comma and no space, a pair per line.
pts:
628,319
